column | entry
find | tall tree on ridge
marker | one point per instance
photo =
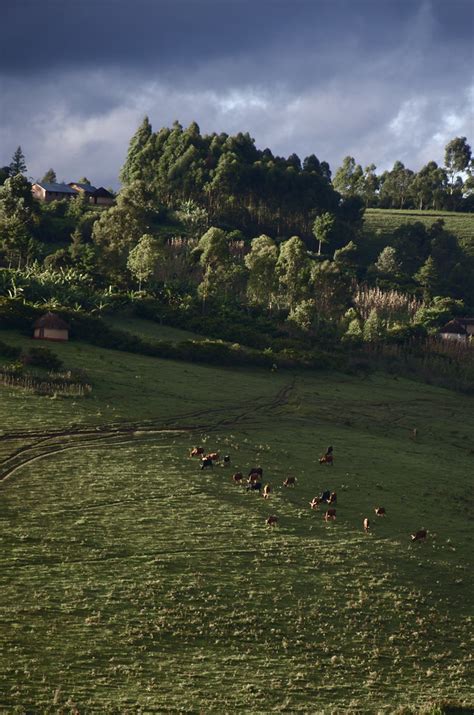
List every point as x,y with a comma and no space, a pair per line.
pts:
131,169
18,164
49,177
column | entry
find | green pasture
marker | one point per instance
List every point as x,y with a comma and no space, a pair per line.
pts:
133,582
149,330
381,224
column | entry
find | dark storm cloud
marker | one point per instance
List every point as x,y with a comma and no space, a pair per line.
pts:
381,80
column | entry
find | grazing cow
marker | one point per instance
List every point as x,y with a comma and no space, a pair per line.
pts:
197,451
256,470
330,515
253,478
329,450
289,482
213,455
315,502
366,525
237,477
332,498
325,496
327,459
207,463
380,511
254,487
266,491
272,521
226,459
419,535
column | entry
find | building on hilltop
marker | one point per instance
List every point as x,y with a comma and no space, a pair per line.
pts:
52,192
56,192
98,196
51,327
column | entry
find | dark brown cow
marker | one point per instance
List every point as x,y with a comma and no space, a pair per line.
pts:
272,521
330,515
289,482
213,455
419,535
327,459
380,511
237,477
366,525
256,470
266,491
197,451
207,463
254,477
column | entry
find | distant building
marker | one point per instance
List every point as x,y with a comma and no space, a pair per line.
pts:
51,327
56,192
454,330
98,196
52,192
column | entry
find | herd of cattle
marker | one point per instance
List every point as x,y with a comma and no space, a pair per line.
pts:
254,482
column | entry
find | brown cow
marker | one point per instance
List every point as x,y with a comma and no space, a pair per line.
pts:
327,459
315,502
330,515
366,524
272,521
237,477
419,535
256,470
254,477
213,455
266,491
380,511
332,498
196,451
289,482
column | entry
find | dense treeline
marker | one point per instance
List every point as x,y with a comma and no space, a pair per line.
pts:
187,229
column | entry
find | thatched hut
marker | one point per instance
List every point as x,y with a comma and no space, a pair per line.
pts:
51,327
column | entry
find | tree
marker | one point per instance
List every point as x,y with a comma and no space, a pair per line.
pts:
261,263
457,156
49,177
131,169
374,328
215,259
322,228
428,277
17,219
194,217
17,165
292,270
144,259
429,187
84,180
348,178
387,263
395,186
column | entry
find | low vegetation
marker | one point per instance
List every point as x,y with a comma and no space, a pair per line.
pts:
136,581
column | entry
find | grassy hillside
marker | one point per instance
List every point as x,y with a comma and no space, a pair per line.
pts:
381,223
132,581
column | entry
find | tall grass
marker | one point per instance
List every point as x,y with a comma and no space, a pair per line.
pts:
390,305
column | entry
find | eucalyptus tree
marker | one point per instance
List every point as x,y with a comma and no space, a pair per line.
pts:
261,261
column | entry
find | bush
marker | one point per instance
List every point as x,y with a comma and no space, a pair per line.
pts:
41,357
9,351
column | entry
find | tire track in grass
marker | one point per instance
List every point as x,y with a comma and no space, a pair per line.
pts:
81,436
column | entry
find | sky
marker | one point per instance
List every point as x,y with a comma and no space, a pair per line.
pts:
379,80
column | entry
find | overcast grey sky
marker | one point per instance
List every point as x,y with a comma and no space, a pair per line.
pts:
380,80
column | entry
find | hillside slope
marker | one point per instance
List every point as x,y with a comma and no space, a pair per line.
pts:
134,581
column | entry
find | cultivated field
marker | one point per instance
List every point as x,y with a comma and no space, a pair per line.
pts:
381,223
134,582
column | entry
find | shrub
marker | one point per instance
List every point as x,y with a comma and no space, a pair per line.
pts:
9,351
41,357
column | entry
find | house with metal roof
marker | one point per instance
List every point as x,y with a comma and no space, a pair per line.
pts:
52,192
99,196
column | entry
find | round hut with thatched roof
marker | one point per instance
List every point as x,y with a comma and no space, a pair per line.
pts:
51,327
